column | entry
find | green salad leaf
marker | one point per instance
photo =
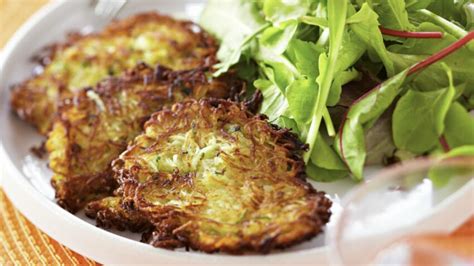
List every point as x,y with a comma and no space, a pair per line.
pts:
278,38
327,65
429,109
365,25
469,13
299,99
242,24
278,11
413,5
350,141
324,175
459,126
313,61
440,176
275,104
325,157
393,14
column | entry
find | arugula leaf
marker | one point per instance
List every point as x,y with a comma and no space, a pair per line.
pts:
469,13
392,14
304,55
325,157
302,93
429,110
278,38
278,11
336,23
444,8
459,126
365,25
341,79
448,26
350,141
242,17
231,55
324,114
275,103
303,52
352,50
242,23
301,97
324,175
278,73
315,21
413,5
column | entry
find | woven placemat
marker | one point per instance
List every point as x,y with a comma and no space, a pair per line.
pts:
21,243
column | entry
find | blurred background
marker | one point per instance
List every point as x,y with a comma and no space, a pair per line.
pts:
13,13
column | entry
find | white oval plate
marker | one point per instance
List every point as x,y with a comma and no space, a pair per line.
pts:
26,179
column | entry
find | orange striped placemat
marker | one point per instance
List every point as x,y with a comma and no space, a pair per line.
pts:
21,243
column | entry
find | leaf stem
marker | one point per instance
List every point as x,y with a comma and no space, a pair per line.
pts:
448,26
442,54
408,34
444,143
314,21
337,12
328,122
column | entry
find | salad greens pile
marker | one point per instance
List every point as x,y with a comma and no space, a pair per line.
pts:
361,81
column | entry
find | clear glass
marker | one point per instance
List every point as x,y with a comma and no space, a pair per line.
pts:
415,198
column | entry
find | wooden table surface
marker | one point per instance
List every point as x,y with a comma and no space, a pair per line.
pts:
14,12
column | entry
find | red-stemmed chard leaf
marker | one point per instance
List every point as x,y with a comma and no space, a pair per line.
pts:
367,109
444,143
412,34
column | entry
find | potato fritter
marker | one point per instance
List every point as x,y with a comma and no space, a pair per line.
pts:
211,176
110,213
94,127
84,60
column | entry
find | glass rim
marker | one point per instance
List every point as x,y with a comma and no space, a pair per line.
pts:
333,237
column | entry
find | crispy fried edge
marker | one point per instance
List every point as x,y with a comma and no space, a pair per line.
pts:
70,194
19,92
116,216
165,234
47,54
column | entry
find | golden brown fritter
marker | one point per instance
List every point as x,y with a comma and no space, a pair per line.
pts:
110,213
83,61
94,127
211,176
